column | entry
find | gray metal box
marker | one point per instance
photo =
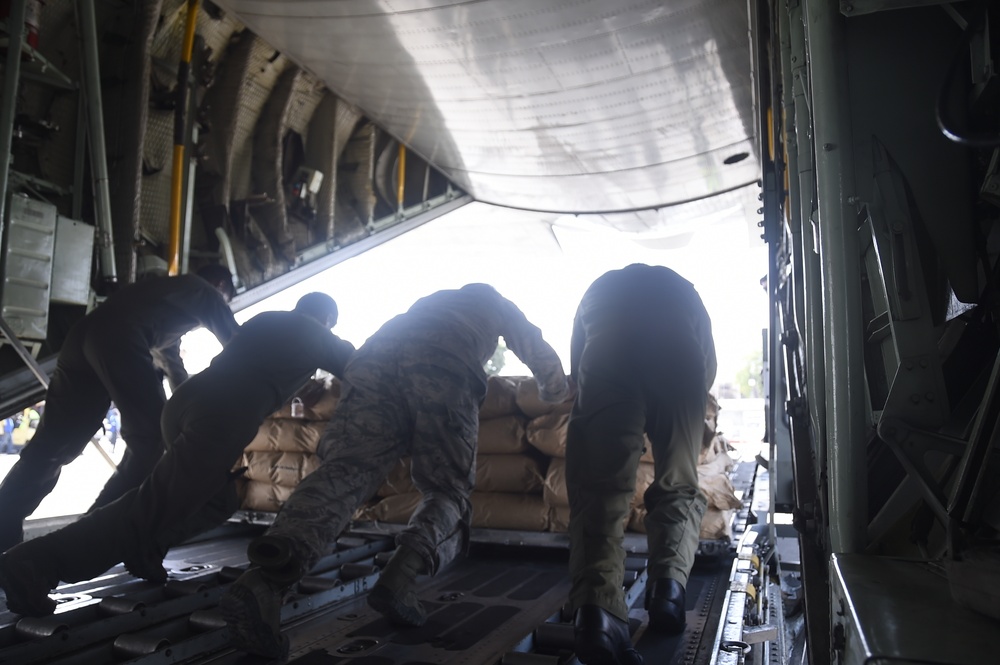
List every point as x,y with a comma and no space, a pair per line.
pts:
28,245
74,259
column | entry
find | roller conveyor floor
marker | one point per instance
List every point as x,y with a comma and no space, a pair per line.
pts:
500,604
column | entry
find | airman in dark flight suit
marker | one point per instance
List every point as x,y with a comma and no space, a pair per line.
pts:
207,424
643,358
414,388
115,354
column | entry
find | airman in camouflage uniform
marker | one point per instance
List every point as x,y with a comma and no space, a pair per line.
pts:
414,388
643,358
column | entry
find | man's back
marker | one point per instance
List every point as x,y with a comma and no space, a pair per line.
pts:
644,303
467,322
159,310
273,355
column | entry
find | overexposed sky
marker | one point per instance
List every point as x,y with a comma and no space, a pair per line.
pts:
544,268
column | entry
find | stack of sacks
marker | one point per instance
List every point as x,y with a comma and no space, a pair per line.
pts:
547,433
509,473
284,450
518,486
714,464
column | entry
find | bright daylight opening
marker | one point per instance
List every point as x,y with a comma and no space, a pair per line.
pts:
542,265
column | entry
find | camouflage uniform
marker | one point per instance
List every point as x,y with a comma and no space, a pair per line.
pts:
643,358
113,354
207,422
414,389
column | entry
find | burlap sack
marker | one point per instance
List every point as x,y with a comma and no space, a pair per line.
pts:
278,467
718,489
494,473
495,510
555,492
288,434
559,519
509,473
500,398
548,433
398,481
265,497
503,435
722,463
532,405
712,412
716,525
394,509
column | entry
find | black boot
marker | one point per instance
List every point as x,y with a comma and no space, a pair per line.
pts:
252,608
252,604
601,638
666,606
27,580
393,594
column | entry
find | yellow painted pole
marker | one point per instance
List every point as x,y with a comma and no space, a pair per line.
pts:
180,123
402,175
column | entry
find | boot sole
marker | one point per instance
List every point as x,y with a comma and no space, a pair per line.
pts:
248,629
596,653
383,601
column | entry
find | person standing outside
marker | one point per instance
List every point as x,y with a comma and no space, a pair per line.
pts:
643,359
114,424
116,354
207,424
414,388
7,436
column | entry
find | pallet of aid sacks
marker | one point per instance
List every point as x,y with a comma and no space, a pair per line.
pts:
520,463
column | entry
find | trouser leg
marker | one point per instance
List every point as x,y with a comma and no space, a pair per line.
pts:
137,390
190,478
674,504
364,440
443,457
604,443
75,407
86,548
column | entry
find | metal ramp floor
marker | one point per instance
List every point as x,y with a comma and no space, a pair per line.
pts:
499,604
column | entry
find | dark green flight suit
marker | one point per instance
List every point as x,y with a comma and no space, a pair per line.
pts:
643,358
414,388
207,424
112,354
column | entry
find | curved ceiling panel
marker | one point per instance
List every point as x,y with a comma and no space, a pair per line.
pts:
571,106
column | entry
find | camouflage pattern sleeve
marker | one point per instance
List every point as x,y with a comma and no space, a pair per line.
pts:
525,340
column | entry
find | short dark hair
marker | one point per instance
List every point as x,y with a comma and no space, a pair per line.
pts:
218,275
318,306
